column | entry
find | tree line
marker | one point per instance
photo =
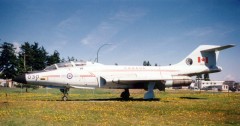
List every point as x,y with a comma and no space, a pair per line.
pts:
31,57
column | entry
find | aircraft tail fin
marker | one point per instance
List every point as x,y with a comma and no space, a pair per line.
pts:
204,55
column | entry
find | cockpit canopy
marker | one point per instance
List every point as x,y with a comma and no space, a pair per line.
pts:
52,67
65,64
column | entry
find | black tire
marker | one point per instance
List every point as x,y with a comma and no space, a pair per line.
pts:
125,95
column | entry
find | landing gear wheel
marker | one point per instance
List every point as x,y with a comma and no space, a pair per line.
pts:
125,94
64,98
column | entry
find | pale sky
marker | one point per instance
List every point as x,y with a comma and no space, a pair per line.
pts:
160,31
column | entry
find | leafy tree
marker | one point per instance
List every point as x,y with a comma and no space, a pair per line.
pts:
25,57
146,63
8,61
40,57
71,59
63,60
32,57
54,58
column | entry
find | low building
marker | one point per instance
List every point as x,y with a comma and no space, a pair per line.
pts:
210,85
3,83
6,83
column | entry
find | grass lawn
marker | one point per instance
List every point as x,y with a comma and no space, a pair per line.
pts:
103,107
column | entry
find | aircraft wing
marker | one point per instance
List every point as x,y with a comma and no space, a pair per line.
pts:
138,82
130,79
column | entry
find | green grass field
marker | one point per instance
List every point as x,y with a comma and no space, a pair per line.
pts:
103,107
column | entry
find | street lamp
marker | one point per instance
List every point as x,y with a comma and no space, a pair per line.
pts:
101,47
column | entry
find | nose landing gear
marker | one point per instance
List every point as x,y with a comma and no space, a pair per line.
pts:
65,93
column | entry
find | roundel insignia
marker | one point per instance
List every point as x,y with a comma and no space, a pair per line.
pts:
69,76
189,61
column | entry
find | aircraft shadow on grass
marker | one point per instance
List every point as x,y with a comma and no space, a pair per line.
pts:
130,99
192,98
114,99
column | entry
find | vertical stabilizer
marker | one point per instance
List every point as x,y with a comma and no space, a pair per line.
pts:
204,55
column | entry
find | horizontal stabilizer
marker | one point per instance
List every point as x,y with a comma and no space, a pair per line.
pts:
218,48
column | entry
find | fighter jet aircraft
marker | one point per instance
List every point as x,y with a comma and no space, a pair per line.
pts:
88,75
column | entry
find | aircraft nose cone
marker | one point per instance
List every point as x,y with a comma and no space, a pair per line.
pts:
20,79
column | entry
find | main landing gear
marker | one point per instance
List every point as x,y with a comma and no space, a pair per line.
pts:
125,94
147,96
65,93
150,94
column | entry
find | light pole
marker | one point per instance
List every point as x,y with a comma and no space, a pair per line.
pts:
101,47
24,62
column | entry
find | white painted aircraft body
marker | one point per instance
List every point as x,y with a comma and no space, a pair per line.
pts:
88,75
